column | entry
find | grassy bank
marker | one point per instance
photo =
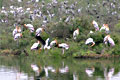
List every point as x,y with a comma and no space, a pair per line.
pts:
61,30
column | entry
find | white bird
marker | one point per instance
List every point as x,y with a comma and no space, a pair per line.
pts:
16,30
47,44
63,46
39,31
52,43
95,25
17,36
35,46
89,41
108,39
75,33
30,27
90,71
105,27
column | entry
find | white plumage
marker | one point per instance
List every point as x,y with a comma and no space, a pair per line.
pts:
35,46
105,27
16,30
75,33
30,27
39,31
95,25
47,44
18,35
109,39
63,45
89,40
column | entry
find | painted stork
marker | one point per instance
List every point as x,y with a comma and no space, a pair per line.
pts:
30,27
90,71
39,31
53,43
16,30
105,27
17,36
89,41
47,43
75,33
35,46
95,25
109,40
63,46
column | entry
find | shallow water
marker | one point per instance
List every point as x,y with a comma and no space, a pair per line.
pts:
19,68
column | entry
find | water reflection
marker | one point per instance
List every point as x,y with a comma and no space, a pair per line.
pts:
13,74
58,69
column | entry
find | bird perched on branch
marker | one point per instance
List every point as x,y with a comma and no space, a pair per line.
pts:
95,25
90,41
109,40
39,38
75,33
30,27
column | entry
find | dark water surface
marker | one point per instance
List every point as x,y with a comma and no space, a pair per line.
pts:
19,68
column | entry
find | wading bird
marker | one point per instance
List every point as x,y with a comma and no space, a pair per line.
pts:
35,46
30,27
95,25
90,41
109,40
63,46
75,33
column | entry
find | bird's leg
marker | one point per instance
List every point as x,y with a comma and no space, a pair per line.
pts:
62,51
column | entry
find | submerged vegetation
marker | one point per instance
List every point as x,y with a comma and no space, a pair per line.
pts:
59,28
